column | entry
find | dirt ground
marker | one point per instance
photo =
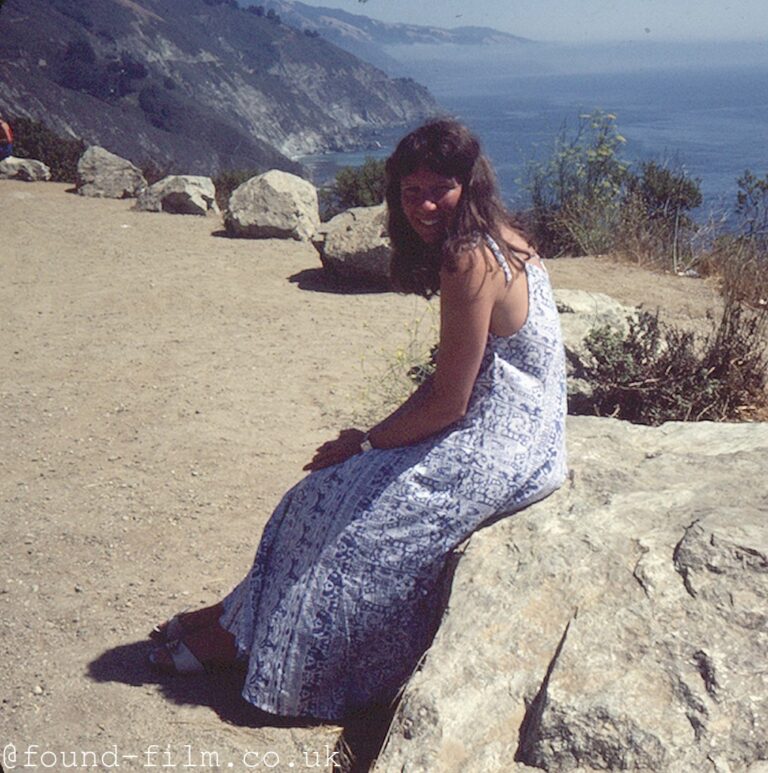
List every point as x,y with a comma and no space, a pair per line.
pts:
161,387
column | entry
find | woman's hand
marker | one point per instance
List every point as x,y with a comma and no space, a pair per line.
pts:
334,451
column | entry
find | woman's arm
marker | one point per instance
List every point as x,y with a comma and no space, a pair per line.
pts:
466,300
467,297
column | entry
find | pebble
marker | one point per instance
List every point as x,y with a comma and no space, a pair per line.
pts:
37,690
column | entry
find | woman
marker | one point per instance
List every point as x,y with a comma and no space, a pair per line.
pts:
341,601
6,138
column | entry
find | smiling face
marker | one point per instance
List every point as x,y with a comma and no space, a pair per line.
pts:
429,202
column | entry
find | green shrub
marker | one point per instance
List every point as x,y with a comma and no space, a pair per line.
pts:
162,108
421,371
752,208
79,68
355,186
577,193
665,193
654,373
154,172
227,181
33,139
656,224
586,199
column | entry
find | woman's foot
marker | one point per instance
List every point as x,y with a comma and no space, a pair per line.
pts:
185,622
197,651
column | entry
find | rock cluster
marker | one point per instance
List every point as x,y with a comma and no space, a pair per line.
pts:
621,624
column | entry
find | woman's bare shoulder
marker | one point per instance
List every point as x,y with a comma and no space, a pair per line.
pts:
519,244
466,256
516,240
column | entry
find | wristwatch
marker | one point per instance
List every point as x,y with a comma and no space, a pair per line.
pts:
365,444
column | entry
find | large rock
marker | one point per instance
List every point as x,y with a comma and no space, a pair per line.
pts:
28,169
621,624
104,175
355,246
273,205
180,195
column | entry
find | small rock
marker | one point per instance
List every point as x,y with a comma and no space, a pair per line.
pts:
26,169
180,195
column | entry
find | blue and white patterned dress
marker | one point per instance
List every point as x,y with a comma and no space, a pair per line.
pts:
342,598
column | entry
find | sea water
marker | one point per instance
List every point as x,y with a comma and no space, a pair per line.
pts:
705,114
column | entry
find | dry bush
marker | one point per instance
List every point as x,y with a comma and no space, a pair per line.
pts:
654,372
742,268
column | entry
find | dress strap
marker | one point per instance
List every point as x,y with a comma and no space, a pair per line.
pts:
500,259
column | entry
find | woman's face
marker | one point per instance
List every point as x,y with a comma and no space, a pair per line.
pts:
429,202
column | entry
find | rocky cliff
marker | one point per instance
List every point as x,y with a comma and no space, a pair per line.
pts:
194,85
372,40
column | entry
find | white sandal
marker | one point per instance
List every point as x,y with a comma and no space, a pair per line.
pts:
168,631
183,660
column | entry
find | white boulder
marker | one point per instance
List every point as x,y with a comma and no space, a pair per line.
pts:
28,169
102,174
355,247
275,204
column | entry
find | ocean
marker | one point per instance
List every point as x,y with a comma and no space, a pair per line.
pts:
707,114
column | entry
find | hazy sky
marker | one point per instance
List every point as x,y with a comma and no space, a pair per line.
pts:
580,20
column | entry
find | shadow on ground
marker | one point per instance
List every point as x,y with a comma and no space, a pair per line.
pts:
320,281
219,690
361,739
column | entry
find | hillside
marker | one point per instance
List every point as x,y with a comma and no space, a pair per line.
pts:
372,40
195,85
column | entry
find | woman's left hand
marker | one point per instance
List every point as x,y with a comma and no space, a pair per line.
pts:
334,451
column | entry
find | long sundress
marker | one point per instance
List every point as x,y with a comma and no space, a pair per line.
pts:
343,596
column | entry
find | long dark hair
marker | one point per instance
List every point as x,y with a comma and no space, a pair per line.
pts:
448,148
